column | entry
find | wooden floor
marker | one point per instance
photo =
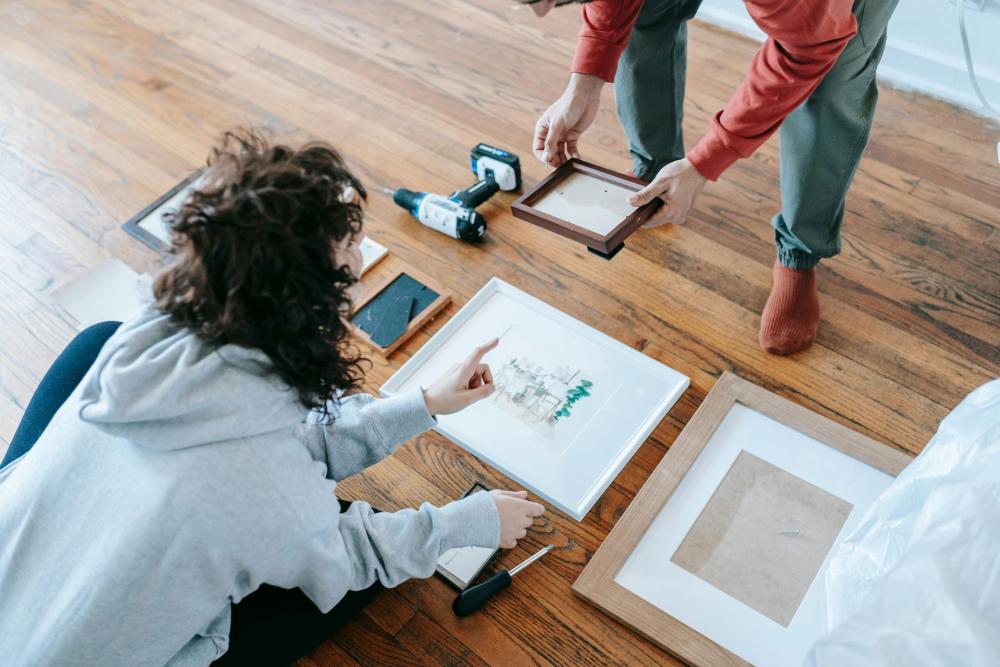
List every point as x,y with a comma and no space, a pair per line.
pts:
105,104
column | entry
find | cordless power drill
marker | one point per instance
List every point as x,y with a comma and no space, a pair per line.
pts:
455,214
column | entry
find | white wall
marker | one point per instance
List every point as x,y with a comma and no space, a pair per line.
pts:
924,50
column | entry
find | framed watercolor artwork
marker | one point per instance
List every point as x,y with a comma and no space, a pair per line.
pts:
719,556
586,203
571,404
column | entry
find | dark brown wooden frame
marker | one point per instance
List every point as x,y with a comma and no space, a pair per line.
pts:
429,313
597,581
606,246
132,226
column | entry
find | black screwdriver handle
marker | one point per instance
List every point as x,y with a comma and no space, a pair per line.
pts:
475,597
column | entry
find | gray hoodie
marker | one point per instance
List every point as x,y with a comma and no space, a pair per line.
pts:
174,482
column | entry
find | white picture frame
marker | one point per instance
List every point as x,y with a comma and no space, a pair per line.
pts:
520,430
371,252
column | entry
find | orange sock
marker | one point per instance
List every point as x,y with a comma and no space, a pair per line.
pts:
791,316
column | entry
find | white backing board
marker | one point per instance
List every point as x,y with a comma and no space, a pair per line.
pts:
587,202
371,253
460,566
109,292
569,460
650,574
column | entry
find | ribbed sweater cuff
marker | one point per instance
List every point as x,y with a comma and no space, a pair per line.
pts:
470,522
711,156
402,417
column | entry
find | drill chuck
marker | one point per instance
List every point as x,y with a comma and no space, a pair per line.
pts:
408,199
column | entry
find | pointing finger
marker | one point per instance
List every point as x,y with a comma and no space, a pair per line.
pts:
477,354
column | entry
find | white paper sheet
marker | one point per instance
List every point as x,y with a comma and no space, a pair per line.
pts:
460,565
371,253
110,291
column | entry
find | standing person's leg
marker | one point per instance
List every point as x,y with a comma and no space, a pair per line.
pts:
277,626
821,146
649,85
59,382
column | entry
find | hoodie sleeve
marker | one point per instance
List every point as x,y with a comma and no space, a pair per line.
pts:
365,430
354,549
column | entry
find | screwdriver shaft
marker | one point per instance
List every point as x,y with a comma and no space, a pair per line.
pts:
532,559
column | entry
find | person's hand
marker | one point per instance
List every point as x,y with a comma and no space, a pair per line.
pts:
463,384
677,184
558,129
542,7
517,513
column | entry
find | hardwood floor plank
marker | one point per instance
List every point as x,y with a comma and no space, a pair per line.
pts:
491,643
105,104
367,644
433,646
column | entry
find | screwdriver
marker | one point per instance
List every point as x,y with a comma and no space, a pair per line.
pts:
475,597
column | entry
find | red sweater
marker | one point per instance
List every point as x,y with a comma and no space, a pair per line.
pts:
805,38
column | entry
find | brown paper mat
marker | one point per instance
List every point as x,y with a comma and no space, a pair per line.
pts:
737,545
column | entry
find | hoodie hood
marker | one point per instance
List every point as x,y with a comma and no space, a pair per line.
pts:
162,387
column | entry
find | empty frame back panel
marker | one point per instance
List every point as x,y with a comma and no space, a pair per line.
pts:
589,202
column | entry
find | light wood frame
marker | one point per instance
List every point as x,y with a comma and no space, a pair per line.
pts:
422,318
606,246
597,581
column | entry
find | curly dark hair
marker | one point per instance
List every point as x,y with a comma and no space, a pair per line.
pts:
255,265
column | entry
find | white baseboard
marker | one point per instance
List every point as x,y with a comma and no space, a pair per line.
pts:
904,66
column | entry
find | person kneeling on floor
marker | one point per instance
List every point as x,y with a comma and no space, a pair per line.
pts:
169,493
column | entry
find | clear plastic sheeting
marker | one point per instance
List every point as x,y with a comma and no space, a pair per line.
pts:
918,581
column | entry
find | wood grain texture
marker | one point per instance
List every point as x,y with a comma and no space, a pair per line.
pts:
105,104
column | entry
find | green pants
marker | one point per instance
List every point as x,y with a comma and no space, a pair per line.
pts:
821,141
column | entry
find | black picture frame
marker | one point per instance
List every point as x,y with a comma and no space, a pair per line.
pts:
134,225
